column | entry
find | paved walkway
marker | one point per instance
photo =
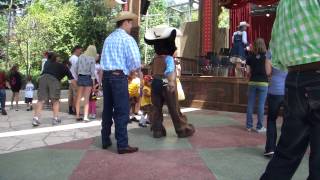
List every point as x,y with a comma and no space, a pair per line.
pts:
221,149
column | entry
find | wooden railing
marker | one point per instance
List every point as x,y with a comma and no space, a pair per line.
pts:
189,66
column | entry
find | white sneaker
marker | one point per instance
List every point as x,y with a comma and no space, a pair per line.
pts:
35,121
138,117
269,154
86,120
261,130
92,116
56,121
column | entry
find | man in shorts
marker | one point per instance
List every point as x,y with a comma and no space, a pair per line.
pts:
50,86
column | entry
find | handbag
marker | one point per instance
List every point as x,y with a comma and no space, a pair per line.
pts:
181,95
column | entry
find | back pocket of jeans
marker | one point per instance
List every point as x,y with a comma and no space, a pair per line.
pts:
313,95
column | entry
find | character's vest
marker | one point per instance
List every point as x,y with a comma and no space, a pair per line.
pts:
158,66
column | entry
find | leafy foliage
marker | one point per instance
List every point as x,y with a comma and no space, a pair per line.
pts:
224,18
57,25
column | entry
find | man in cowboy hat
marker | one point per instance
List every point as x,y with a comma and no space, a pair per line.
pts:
239,45
120,56
164,85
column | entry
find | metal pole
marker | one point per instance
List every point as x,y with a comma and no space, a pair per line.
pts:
190,10
28,58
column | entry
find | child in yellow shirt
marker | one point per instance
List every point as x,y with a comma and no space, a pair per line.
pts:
134,95
146,104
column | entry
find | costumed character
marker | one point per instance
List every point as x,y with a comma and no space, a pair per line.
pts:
240,44
164,84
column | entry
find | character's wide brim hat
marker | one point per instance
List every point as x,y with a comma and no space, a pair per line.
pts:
121,1
161,32
124,15
243,23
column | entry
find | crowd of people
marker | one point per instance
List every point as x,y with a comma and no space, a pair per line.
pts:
128,95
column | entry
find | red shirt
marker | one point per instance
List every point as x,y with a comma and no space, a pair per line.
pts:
2,80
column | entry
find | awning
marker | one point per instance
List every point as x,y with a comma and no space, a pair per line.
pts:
233,4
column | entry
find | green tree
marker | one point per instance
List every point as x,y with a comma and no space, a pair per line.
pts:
156,16
96,22
3,30
46,25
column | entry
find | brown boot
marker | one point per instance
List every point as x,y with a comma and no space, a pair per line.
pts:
128,150
186,132
160,133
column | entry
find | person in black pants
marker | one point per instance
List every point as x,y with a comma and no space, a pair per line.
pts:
275,102
295,47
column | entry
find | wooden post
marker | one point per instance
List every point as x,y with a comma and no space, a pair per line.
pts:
134,6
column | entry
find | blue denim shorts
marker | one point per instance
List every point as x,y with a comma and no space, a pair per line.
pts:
85,80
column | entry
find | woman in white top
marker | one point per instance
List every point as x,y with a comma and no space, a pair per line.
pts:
85,69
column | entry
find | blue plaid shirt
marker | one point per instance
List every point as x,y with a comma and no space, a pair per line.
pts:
120,52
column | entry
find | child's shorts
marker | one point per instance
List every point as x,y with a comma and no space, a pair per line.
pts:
133,100
28,100
147,108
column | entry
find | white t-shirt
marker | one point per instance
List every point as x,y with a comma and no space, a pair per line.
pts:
29,90
42,64
97,70
73,60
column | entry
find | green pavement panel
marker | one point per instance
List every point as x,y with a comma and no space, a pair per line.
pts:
210,121
242,163
39,164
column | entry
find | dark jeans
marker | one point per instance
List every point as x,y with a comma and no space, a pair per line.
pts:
274,104
300,129
3,98
116,106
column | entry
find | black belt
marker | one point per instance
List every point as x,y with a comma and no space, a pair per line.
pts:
305,67
83,75
114,72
